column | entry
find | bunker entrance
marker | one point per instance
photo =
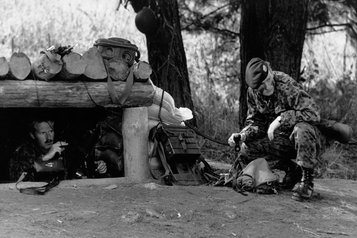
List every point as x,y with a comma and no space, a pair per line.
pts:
93,134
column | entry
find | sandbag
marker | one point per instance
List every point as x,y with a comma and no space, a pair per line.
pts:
256,177
168,102
260,171
184,112
166,116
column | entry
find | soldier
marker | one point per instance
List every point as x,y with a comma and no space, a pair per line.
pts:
42,147
280,125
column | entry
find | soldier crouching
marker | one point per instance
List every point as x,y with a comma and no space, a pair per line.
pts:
280,126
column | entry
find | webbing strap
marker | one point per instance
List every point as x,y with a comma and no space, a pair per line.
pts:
127,89
168,171
40,190
161,101
128,86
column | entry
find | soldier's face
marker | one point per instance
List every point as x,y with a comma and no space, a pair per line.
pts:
44,135
267,86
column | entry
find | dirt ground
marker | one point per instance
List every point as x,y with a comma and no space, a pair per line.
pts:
118,207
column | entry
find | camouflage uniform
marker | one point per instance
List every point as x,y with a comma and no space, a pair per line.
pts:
23,161
296,138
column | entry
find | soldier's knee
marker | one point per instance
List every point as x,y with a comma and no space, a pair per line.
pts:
304,126
303,132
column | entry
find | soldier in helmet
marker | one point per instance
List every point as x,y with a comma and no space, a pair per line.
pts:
280,125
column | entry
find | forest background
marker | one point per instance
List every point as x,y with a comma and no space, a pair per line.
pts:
213,61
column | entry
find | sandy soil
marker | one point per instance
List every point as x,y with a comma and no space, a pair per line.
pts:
121,208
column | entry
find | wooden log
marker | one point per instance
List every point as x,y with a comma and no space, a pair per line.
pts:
61,94
74,66
19,65
142,70
4,67
95,68
47,66
135,142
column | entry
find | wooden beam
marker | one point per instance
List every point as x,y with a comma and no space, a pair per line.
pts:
135,141
62,94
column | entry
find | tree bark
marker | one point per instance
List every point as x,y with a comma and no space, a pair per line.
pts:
273,30
166,51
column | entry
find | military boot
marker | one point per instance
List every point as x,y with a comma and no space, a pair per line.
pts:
304,189
293,176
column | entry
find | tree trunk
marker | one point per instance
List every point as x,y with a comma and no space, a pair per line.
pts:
166,51
273,30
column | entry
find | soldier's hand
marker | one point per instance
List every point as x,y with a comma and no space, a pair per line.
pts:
273,126
234,139
57,147
101,167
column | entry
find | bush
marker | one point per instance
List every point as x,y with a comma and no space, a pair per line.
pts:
338,101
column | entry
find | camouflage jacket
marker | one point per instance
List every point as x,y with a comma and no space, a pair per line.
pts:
289,100
23,161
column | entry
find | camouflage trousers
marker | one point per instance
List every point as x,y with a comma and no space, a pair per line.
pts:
304,144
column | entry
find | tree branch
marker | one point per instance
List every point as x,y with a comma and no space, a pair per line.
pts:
216,30
329,25
346,25
324,32
204,16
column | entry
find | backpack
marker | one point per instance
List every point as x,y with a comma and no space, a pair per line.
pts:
176,157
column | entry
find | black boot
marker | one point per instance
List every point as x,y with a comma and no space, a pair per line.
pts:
293,176
304,189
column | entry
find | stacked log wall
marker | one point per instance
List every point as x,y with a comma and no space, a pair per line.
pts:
82,83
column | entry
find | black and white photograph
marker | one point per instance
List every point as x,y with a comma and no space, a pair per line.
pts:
178,118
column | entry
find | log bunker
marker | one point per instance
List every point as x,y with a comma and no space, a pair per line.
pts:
78,91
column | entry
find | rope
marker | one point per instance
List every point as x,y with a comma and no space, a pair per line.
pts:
204,135
37,94
161,100
90,96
